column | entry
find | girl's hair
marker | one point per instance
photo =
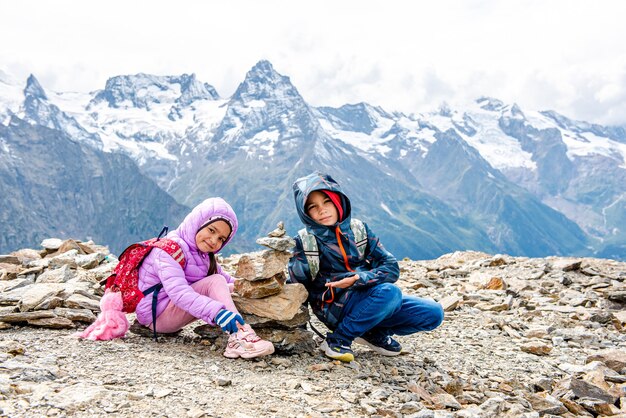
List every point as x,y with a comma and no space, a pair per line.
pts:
212,264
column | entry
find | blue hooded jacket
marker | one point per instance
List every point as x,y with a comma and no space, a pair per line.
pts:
378,265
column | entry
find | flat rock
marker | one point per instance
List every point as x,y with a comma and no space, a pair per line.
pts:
546,404
51,243
283,306
495,283
299,320
57,275
9,259
70,244
614,359
77,301
450,303
26,254
263,265
260,288
617,296
56,322
565,264
35,294
278,244
536,347
89,261
9,271
582,389
17,317
445,400
64,258
72,398
82,315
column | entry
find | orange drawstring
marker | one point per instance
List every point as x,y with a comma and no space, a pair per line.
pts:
345,260
332,296
343,251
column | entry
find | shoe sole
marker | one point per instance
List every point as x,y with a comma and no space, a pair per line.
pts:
377,349
345,357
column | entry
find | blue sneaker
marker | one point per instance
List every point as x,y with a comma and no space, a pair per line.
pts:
337,349
384,345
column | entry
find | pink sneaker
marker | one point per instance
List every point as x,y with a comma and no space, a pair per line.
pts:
246,344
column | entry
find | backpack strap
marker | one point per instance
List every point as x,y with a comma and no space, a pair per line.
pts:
169,246
311,251
155,291
360,236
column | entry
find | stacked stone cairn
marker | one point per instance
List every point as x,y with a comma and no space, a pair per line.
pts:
55,287
271,306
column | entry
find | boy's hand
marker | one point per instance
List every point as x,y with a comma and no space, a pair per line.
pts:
344,283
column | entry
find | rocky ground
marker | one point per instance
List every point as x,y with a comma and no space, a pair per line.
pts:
521,338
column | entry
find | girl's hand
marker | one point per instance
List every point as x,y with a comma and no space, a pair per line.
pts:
231,287
344,283
229,321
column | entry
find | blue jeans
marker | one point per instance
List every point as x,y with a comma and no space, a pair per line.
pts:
383,310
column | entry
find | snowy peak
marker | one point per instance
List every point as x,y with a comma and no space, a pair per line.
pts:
615,133
33,89
263,82
38,110
266,116
36,106
192,89
490,104
360,117
143,91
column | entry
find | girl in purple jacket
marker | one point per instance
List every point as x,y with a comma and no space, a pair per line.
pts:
202,289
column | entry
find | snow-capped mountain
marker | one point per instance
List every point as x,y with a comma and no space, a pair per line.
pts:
269,136
489,177
576,168
150,118
52,185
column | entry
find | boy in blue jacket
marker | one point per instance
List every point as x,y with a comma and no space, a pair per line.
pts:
352,291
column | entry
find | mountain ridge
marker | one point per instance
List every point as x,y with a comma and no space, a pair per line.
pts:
513,170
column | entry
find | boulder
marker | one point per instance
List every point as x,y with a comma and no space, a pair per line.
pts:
283,306
260,288
262,266
614,359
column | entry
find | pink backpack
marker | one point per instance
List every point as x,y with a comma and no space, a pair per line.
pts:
122,291
125,277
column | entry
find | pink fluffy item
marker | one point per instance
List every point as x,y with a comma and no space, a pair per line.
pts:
111,323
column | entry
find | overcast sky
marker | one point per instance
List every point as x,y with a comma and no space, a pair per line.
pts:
569,56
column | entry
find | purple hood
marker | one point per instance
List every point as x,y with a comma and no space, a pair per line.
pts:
211,209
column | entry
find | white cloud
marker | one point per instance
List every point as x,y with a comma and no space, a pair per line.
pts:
402,55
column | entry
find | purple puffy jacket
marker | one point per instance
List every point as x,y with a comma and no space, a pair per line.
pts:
159,266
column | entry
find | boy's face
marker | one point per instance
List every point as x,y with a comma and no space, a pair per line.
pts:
321,209
211,238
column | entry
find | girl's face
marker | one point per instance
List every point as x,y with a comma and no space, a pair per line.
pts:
321,209
211,238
